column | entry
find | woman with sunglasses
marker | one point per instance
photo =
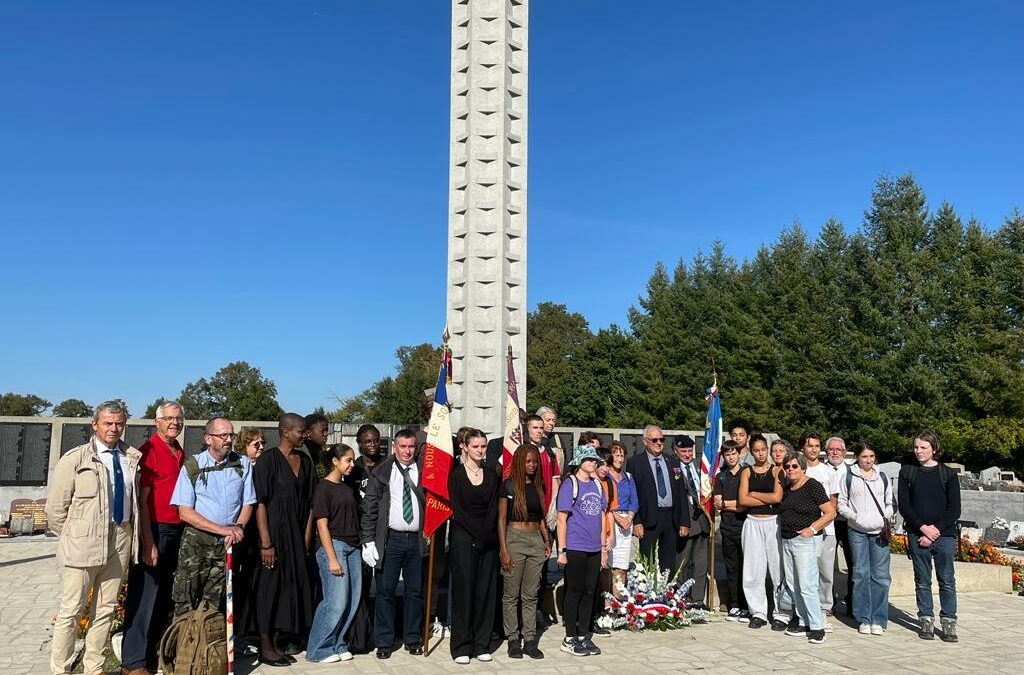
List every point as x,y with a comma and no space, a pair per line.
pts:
804,511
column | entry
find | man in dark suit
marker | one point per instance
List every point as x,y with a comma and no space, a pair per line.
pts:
393,544
692,550
662,516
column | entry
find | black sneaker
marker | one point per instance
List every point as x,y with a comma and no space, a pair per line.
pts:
601,632
778,625
530,649
756,623
744,616
588,644
515,650
815,637
927,630
572,646
794,629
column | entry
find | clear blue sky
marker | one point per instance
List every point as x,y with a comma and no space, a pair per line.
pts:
191,183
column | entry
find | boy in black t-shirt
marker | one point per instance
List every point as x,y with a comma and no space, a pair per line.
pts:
726,491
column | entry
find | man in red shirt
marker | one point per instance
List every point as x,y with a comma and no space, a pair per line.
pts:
148,606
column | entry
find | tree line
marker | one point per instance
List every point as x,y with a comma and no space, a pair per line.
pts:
914,319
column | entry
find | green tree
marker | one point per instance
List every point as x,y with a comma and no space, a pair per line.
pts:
26,405
151,408
237,391
555,338
72,407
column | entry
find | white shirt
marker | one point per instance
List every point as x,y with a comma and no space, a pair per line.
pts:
825,473
396,484
840,472
106,456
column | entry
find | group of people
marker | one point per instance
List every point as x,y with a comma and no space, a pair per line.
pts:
313,526
785,512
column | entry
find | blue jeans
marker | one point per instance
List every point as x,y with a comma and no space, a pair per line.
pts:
870,574
341,599
942,550
800,558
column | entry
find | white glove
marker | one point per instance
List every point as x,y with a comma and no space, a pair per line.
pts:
370,555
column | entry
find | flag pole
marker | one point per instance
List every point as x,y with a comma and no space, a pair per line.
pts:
229,610
711,507
430,587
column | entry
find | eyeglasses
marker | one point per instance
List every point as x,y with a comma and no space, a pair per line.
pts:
223,437
791,467
656,440
172,419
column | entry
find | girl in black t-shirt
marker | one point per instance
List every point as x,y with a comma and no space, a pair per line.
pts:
524,549
336,516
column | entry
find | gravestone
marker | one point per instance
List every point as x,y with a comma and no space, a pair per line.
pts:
997,535
30,508
1016,529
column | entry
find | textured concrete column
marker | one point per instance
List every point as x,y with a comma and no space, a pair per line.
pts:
487,207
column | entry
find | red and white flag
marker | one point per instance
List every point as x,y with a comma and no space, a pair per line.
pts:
437,456
513,427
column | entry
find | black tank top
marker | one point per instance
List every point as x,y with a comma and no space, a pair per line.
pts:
761,483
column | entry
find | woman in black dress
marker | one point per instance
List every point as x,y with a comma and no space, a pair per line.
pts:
284,479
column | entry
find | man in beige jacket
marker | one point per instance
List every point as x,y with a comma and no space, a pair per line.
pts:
93,509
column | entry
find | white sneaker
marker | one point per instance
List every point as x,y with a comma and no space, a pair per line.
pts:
864,629
345,656
877,630
333,658
828,625
485,658
462,660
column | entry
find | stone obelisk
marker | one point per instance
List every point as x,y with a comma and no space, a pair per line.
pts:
487,208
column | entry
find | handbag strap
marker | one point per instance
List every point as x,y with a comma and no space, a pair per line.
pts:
873,497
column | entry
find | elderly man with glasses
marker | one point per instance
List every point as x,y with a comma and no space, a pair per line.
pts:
214,495
148,604
663,514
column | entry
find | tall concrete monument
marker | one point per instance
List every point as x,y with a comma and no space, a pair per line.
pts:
487,207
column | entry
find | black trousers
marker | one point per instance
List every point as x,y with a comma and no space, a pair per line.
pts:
665,535
148,603
474,597
401,556
692,559
732,554
581,570
843,539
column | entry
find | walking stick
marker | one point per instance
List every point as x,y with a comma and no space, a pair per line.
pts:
229,611
430,587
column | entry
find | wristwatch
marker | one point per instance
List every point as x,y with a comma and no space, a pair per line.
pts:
563,550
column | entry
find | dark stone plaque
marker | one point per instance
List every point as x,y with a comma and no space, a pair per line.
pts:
30,508
996,535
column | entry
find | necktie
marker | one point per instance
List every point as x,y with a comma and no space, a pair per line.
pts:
118,487
659,476
406,496
693,482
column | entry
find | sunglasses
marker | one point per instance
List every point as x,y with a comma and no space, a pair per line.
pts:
657,440
791,467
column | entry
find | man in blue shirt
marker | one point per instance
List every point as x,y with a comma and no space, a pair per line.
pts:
214,495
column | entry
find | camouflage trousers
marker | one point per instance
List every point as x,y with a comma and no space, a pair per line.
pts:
200,573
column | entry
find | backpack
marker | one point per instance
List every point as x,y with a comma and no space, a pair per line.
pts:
576,488
195,643
193,471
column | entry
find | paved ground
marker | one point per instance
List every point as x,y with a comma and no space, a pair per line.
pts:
991,632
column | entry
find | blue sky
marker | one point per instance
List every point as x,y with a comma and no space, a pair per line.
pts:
187,184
